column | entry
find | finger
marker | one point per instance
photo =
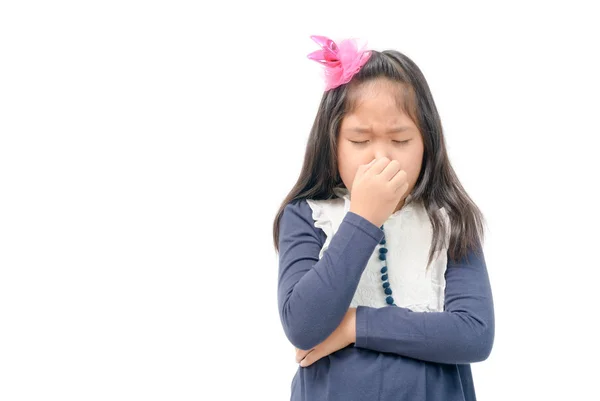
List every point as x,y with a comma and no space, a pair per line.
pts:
399,182
390,170
370,164
379,165
311,358
325,348
300,354
364,167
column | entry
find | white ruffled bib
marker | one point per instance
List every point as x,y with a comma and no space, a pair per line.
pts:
408,235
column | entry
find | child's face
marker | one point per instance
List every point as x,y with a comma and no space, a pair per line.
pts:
375,114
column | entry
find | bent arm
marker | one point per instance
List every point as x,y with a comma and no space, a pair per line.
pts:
463,333
314,294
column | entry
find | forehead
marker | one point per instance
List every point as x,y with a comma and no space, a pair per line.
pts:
380,100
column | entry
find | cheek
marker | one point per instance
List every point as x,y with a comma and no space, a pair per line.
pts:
347,170
344,157
347,166
414,166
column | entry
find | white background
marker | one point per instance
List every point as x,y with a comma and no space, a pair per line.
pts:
145,148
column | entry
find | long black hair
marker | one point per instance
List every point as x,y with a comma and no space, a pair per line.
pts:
437,185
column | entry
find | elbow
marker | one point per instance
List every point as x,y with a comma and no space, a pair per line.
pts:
476,337
302,335
482,344
301,340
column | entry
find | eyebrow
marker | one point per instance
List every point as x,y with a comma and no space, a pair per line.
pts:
361,130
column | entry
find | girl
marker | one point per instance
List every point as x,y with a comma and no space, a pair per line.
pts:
383,287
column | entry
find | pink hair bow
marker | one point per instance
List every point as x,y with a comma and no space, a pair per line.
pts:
341,61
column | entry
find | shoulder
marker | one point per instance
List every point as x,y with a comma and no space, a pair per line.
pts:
297,209
297,214
319,213
312,209
473,258
298,218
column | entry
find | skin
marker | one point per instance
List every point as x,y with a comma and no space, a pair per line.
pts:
343,336
373,122
368,133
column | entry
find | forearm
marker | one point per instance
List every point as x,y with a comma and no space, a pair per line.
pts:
442,337
462,333
314,294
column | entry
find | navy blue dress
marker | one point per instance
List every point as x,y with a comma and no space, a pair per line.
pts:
398,354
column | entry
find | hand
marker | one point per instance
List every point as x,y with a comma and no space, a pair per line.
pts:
377,189
344,335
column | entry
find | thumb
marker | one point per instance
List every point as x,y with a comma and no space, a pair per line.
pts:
370,163
364,167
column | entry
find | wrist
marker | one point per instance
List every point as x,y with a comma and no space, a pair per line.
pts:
366,217
351,325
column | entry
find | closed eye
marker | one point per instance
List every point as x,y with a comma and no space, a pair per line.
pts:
363,142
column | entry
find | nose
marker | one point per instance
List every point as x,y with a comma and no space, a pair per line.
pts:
381,150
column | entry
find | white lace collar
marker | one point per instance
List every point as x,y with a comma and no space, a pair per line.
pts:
408,235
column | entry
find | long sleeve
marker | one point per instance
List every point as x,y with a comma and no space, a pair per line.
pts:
463,333
314,294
